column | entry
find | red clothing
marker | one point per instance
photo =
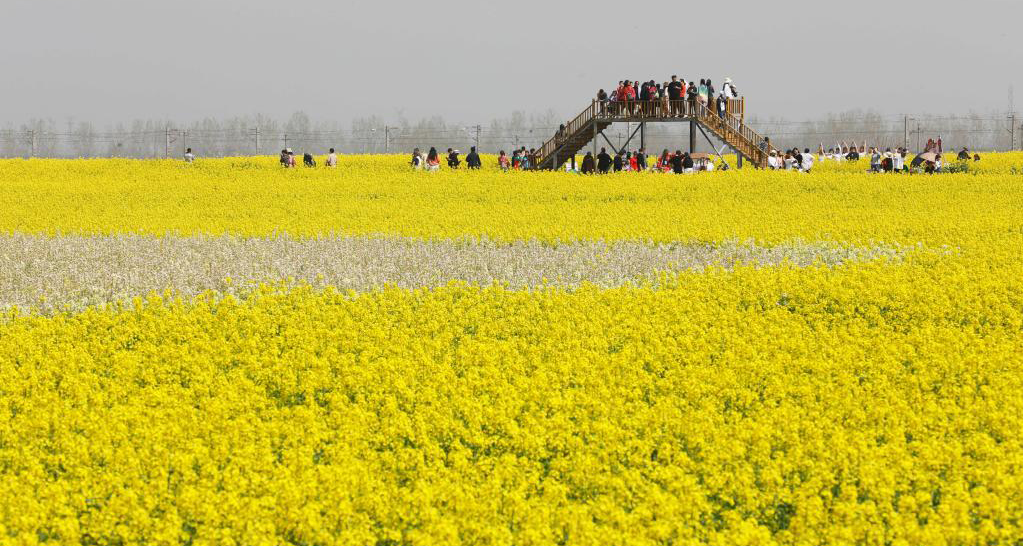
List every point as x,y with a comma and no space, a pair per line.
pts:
633,163
630,92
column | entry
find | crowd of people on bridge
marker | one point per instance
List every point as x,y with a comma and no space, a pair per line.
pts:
676,98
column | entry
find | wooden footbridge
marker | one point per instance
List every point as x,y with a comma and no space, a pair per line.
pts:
730,129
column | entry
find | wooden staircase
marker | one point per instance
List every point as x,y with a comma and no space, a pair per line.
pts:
730,129
566,144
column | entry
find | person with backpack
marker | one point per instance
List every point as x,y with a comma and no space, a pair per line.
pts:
307,160
453,161
603,161
472,161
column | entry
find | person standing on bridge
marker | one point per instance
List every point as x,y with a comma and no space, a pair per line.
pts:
630,97
665,101
722,106
675,91
644,98
602,101
603,161
693,94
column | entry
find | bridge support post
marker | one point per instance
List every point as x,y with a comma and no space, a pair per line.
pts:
692,136
642,135
594,140
738,160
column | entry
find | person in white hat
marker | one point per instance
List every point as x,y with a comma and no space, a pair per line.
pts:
729,89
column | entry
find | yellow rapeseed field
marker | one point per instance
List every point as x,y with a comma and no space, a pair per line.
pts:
875,402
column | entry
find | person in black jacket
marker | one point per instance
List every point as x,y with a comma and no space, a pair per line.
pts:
641,159
472,160
453,161
618,162
677,162
687,163
675,95
588,164
603,161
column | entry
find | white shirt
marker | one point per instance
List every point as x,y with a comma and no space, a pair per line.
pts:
772,161
189,158
807,162
332,160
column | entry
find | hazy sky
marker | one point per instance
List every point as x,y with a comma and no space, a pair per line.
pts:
117,60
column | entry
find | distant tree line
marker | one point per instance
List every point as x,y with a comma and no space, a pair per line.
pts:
264,135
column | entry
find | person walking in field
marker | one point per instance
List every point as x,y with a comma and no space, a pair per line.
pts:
603,161
432,160
307,160
503,162
189,156
641,160
472,161
588,166
331,159
678,162
453,161
417,160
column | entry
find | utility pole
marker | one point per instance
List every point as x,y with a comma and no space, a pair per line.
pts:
167,142
285,141
32,136
918,137
257,140
1012,131
478,128
387,139
905,138
184,141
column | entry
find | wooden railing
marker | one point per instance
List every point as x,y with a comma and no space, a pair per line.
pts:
654,109
571,128
730,127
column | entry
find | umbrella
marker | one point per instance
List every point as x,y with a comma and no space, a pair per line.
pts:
699,155
927,156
